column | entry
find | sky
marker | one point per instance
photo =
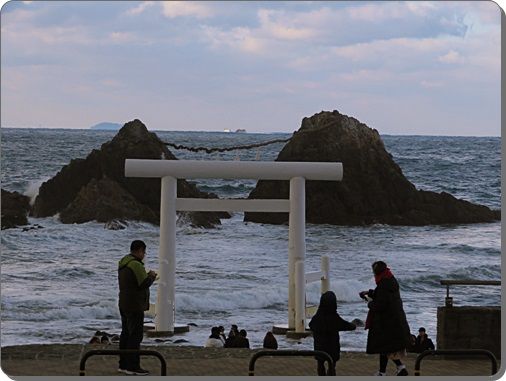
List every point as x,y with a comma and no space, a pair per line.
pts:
403,68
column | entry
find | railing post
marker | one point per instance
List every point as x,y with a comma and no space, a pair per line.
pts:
318,355
448,299
113,352
458,352
464,282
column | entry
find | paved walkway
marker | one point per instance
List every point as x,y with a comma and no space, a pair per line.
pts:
63,360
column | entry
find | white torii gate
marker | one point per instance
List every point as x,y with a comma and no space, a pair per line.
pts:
171,170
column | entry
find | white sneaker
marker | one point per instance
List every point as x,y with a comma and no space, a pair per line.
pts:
379,374
120,370
137,372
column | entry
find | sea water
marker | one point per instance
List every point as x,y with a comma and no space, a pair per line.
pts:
59,282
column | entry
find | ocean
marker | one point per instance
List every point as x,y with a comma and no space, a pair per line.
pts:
59,282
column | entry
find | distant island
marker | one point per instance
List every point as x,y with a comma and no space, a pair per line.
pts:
106,126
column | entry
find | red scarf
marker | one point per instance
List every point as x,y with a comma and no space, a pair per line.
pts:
385,274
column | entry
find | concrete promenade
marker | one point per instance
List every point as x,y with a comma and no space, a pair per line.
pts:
63,360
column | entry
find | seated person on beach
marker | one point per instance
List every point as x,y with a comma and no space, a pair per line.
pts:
422,342
214,340
270,341
222,334
326,324
240,340
234,331
411,348
104,338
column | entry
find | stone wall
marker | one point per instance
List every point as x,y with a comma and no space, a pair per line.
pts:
469,328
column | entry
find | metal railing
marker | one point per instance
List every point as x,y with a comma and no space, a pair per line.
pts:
466,282
113,352
461,352
320,355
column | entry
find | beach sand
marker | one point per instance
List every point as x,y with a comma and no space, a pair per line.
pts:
64,359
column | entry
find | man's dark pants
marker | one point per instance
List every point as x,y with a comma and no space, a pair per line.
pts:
132,324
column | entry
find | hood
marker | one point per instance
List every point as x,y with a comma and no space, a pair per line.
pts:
126,260
328,303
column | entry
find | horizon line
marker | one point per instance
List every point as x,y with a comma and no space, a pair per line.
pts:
247,132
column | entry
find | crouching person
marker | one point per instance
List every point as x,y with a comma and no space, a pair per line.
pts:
325,325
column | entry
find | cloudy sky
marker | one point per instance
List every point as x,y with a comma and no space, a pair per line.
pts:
429,68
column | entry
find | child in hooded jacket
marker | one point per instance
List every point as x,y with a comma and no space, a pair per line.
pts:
326,324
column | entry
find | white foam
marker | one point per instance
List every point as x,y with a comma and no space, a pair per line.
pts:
258,298
32,190
345,290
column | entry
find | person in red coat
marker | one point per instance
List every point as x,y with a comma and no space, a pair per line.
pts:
389,333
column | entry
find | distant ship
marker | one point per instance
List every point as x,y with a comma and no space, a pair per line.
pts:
238,131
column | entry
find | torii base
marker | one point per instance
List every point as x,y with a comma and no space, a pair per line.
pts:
150,331
297,335
282,329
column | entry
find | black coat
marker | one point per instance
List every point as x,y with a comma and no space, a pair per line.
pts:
325,325
239,342
270,342
389,331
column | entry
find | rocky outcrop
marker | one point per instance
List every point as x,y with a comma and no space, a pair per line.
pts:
100,199
15,207
373,189
116,225
95,188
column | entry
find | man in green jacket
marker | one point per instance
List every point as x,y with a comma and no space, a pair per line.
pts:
134,285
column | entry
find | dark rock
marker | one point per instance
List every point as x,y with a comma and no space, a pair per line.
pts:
103,200
85,189
116,225
15,207
163,340
358,322
33,227
373,189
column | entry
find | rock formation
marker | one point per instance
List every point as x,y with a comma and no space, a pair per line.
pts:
96,188
101,199
15,207
373,189
116,225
